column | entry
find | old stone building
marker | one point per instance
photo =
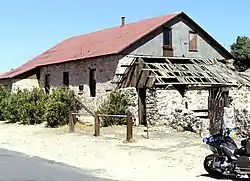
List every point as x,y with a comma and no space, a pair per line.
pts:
90,63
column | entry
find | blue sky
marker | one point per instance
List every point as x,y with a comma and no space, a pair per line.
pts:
28,27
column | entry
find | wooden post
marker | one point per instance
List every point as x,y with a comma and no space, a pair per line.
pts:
147,131
218,99
129,136
97,126
142,105
71,123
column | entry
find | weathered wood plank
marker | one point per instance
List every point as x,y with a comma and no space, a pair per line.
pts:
143,79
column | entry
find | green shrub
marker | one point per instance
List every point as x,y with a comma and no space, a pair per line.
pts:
56,114
4,94
35,107
60,102
11,111
27,107
116,104
32,106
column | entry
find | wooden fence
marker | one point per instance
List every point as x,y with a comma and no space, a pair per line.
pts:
97,123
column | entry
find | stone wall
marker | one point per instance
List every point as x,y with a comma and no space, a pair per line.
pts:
167,101
163,106
28,83
132,96
241,105
151,114
106,68
79,76
20,84
170,109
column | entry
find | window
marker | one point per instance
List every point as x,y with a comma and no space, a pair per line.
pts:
66,79
47,83
192,41
167,37
92,82
80,88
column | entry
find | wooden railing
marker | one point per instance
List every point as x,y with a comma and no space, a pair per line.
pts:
97,123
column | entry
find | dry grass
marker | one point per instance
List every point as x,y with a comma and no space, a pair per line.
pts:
79,127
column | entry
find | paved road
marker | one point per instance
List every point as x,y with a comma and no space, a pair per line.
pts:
19,167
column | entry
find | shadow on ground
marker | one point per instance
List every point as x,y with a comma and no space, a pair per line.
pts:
232,178
17,166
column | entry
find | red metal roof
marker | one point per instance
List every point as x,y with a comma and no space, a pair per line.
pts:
104,42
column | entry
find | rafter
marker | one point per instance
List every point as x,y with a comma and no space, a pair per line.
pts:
153,72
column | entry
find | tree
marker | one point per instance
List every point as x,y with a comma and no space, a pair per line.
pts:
241,50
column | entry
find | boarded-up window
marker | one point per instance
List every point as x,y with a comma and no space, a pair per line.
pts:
47,83
193,41
167,37
92,82
66,79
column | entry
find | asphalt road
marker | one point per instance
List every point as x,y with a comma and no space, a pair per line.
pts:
19,167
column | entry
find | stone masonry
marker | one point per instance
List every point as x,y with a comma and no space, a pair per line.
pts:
163,106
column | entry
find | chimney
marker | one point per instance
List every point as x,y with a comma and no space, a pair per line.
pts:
123,21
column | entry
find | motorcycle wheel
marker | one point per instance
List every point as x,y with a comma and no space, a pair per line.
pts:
208,162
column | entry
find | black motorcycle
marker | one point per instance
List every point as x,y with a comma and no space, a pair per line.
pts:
227,158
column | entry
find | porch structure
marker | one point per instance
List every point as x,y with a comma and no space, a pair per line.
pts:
182,74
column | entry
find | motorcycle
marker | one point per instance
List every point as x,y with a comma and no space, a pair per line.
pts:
227,159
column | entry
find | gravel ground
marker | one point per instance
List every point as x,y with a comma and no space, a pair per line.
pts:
167,155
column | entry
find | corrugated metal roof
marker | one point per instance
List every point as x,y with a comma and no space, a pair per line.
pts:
104,42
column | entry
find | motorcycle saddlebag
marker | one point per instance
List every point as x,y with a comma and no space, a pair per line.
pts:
248,146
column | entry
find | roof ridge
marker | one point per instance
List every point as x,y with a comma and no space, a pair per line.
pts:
92,44
134,22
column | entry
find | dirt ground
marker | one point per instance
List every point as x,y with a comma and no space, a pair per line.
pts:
166,155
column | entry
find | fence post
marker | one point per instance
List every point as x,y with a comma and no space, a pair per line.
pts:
147,130
97,125
129,136
71,123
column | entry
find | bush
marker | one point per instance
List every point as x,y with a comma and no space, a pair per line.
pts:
60,102
27,107
116,104
4,94
35,107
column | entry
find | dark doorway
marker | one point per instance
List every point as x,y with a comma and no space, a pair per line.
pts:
66,79
142,105
47,83
92,82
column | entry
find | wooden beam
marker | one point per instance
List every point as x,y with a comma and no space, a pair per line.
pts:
71,123
97,126
143,79
126,65
129,135
137,73
120,74
195,83
127,79
151,82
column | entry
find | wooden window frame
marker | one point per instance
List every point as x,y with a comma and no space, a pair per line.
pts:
66,79
190,46
169,30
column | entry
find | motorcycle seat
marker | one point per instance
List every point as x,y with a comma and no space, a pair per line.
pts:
241,152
